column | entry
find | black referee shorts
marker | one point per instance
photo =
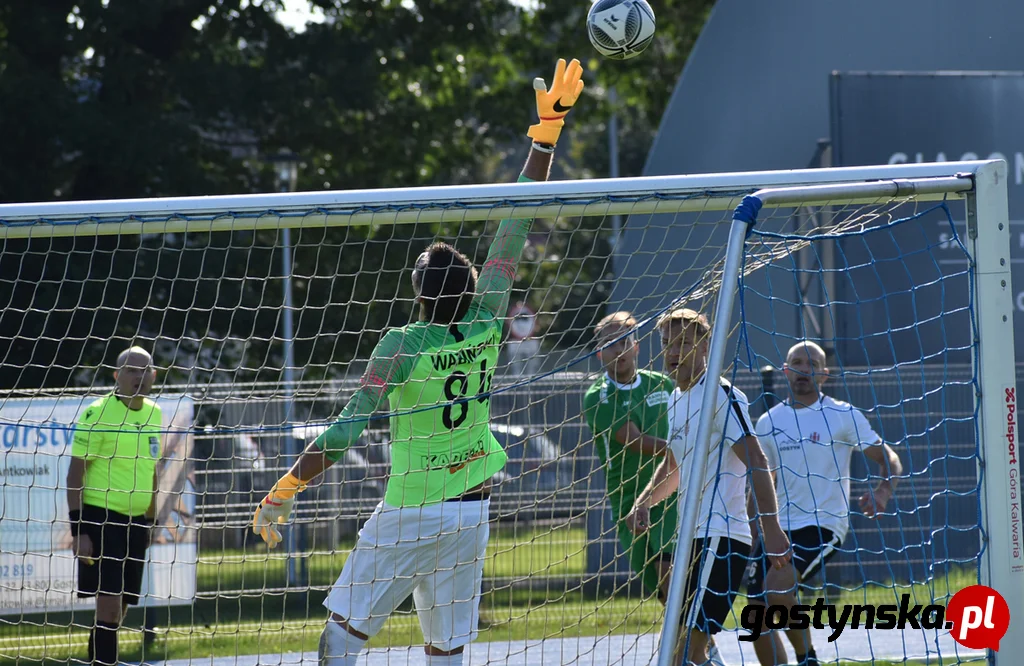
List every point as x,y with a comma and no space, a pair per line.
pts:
717,565
119,544
812,548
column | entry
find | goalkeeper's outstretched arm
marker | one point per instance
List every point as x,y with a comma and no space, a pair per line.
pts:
391,362
553,105
388,367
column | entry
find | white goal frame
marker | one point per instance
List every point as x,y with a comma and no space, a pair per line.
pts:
988,242
980,185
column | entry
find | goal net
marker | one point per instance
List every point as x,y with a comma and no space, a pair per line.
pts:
261,312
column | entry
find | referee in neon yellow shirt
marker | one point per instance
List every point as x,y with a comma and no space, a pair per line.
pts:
112,498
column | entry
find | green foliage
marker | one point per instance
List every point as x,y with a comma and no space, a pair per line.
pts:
179,97
643,84
569,281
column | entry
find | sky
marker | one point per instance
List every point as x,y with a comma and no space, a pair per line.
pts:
297,13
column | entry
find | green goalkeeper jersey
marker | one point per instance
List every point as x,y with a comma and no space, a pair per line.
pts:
607,407
436,379
437,454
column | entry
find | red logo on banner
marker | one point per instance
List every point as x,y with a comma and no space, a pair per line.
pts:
1011,424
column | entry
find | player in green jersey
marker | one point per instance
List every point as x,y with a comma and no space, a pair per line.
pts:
428,536
627,412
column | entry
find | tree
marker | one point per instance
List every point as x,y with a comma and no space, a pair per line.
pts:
116,99
575,285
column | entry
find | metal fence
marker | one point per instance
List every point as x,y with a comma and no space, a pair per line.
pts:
553,477
241,439
927,413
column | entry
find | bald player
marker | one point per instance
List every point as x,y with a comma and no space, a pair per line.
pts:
111,496
809,441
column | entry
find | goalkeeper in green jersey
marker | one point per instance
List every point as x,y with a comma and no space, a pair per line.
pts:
428,537
627,413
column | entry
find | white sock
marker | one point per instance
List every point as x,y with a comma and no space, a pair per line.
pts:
338,647
446,660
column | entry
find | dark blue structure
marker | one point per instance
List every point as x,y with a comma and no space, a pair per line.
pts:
769,86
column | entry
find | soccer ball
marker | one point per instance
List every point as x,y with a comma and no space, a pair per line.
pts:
620,29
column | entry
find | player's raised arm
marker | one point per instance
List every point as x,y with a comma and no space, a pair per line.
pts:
395,355
389,366
499,270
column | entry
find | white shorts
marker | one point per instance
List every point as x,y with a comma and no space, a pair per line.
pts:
434,552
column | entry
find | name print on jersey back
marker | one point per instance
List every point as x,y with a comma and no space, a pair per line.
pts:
449,359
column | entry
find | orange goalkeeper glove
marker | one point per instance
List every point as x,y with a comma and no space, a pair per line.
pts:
553,105
276,509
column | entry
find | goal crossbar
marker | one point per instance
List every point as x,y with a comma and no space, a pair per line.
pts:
466,203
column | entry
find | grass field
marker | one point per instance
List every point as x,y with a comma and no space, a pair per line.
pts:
244,608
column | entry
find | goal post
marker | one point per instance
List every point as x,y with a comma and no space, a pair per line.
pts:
1002,556
264,363
1001,559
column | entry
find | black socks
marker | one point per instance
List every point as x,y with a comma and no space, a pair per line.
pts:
103,644
809,659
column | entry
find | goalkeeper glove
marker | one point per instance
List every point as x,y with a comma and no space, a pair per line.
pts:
276,508
553,105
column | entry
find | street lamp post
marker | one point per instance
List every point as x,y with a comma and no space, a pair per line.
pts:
602,558
613,169
286,175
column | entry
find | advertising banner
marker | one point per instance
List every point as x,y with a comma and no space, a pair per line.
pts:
898,118
895,118
37,569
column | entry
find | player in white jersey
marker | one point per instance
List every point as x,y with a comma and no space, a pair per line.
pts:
809,441
721,547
